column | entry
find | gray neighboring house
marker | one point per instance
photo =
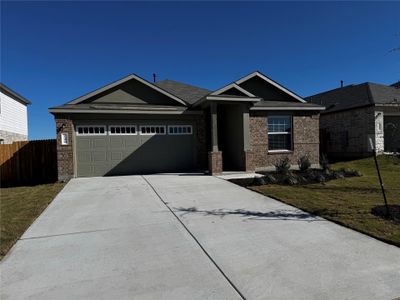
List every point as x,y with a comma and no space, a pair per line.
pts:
13,116
355,113
133,126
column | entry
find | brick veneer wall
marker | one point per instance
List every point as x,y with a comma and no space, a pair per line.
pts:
215,162
305,140
358,123
65,156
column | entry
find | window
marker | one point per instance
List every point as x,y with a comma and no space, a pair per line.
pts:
122,129
91,130
180,129
152,130
279,133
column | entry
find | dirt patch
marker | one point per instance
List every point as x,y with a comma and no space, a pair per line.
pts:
381,211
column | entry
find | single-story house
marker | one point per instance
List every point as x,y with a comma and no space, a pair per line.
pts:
133,126
356,113
13,116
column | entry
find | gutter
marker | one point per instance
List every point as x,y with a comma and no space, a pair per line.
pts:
287,108
112,111
226,99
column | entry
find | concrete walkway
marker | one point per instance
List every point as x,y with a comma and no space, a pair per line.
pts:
116,238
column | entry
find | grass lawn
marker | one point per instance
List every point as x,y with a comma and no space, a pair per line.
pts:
19,207
348,201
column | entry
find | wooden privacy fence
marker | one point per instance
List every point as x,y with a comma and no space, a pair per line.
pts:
28,163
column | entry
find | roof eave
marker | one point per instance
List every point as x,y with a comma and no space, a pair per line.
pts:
287,108
211,98
269,80
124,111
230,86
123,80
15,95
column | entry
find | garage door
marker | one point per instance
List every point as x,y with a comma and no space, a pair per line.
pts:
134,148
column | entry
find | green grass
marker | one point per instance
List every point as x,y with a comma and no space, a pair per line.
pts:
20,206
348,201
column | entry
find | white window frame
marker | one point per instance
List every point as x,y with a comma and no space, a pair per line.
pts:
121,125
154,133
91,134
181,133
281,133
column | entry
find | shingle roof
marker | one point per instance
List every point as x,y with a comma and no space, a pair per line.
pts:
5,89
396,84
187,92
353,96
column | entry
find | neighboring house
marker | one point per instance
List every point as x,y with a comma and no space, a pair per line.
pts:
13,116
132,126
355,113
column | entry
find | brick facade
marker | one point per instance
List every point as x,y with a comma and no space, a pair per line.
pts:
215,162
347,132
65,155
305,140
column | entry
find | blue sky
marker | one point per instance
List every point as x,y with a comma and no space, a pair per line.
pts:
52,52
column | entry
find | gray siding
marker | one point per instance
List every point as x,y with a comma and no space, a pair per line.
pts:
258,87
133,92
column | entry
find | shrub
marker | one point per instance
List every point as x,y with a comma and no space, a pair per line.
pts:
320,178
337,175
291,179
304,163
283,166
324,163
270,178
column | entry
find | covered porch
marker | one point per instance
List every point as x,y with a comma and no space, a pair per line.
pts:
229,133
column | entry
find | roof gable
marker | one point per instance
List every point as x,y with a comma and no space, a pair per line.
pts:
266,88
233,90
14,95
131,89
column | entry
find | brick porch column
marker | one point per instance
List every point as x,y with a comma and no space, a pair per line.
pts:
215,162
65,156
215,156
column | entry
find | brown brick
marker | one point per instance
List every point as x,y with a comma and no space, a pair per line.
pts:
215,162
305,140
65,156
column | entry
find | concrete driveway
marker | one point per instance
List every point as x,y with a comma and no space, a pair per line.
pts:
188,236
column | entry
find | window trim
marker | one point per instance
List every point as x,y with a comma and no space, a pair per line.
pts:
144,133
90,134
281,133
122,125
180,125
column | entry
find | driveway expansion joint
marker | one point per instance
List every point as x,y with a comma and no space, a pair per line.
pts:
196,241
